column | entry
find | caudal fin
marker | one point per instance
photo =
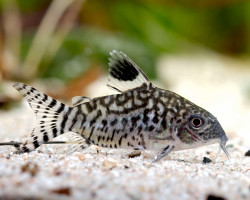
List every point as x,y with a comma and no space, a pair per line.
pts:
50,117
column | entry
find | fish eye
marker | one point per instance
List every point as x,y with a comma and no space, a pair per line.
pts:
196,121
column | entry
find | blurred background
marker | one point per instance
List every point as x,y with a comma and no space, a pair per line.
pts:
199,49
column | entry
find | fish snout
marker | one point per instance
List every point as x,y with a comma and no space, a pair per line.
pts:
218,130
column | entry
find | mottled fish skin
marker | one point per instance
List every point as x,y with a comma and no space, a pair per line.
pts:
141,117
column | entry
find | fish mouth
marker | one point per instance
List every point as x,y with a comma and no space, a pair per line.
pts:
223,140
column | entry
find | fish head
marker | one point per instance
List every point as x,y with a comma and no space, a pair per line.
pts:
201,128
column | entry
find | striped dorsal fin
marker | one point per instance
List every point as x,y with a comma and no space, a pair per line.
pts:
124,74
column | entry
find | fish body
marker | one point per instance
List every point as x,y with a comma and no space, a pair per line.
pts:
140,117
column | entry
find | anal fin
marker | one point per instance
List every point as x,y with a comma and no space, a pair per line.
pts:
76,143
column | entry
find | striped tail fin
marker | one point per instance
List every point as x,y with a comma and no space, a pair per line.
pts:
51,117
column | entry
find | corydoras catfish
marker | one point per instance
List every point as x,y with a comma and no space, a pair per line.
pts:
141,117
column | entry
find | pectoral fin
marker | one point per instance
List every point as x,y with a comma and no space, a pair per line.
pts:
165,151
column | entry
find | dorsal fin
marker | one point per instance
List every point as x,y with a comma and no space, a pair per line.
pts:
124,74
77,100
